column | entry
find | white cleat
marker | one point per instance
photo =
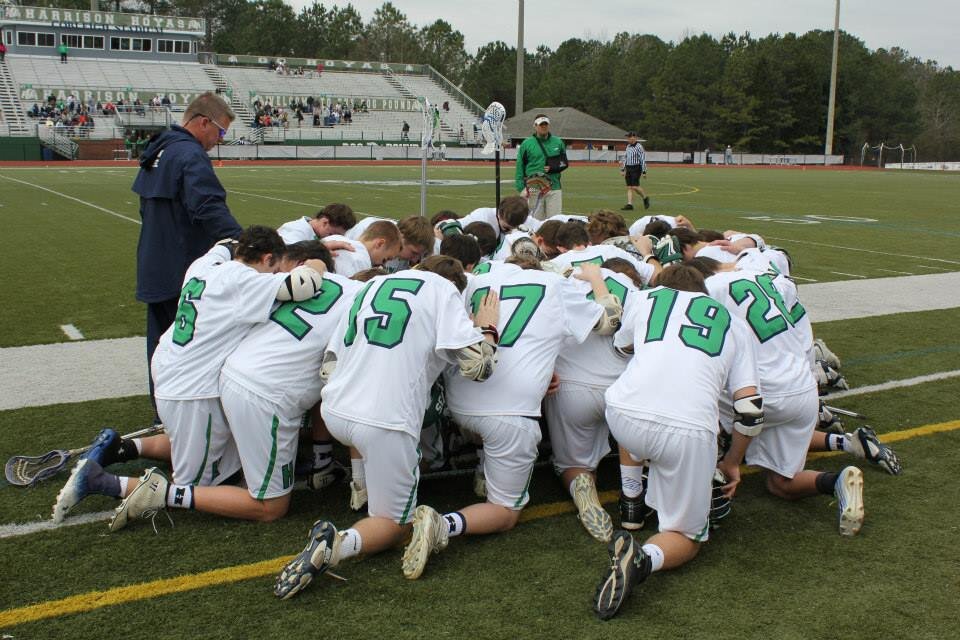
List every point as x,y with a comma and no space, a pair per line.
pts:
430,535
591,513
849,493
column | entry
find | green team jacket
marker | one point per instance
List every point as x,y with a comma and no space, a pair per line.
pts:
530,160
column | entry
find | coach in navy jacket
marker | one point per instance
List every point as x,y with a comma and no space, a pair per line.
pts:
183,207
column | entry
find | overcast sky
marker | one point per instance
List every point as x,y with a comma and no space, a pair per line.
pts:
928,29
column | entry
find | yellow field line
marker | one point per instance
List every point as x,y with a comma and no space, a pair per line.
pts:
120,595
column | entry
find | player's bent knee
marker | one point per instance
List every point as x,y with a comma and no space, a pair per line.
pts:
779,486
274,508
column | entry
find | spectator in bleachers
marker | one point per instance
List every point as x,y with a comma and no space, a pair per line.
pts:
405,131
299,116
3,51
62,50
316,118
347,115
165,101
460,135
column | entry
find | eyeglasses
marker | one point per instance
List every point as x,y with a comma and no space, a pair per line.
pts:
222,130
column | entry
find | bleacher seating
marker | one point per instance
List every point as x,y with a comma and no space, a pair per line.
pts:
117,75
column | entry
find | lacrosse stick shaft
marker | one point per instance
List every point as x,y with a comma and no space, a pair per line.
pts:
497,170
844,412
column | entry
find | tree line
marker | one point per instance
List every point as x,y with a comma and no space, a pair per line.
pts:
760,95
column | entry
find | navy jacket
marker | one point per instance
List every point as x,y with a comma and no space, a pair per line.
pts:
184,211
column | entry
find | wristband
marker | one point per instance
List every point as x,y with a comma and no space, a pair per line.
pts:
492,331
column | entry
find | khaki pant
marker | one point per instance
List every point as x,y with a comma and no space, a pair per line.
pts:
542,208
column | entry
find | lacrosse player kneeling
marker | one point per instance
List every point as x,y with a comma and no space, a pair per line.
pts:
222,299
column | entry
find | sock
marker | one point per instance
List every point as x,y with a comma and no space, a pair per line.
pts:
124,482
322,453
631,480
826,482
351,544
836,442
656,556
456,522
356,467
180,496
99,481
129,450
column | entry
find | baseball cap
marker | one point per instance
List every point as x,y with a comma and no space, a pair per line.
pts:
631,134
541,120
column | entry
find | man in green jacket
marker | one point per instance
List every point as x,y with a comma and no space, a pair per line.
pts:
62,49
535,179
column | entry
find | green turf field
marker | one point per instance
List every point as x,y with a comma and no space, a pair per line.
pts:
774,570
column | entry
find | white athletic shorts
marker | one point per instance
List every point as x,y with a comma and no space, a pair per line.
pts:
509,451
266,440
788,424
549,205
682,462
577,426
391,462
202,450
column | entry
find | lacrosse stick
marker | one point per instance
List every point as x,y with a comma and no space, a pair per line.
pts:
538,185
492,130
426,145
844,412
26,471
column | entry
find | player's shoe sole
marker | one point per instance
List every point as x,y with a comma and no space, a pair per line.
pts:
591,513
849,492
629,566
73,491
321,553
429,536
358,497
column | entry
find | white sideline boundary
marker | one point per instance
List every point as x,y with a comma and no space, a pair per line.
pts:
892,384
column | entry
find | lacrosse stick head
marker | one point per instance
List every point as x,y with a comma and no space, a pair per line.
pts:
492,127
426,134
538,183
26,471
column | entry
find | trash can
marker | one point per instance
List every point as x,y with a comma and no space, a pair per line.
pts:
46,154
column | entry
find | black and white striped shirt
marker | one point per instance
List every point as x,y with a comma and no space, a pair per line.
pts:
635,156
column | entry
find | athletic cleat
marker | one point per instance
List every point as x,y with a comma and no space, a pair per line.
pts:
849,493
76,489
627,207
633,512
827,421
629,566
720,505
147,499
591,514
104,448
326,476
430,535
321,553
823,353
646,203
863,443
358,496
479,482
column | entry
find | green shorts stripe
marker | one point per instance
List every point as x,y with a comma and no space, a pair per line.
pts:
206,451
273,458
526,489
413,492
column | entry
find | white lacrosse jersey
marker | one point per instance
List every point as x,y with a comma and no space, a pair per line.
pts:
598,254
346,263
402,330
354,232
538,311
688,350
505,244
595,362
763,260
297,231
567,217
489,215
717,253
220,301
279,360
782,360
636,229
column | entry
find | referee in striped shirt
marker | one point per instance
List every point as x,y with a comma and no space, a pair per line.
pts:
634,165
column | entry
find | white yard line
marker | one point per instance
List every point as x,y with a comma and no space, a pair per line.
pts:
257,195
83,202
852,275
892,384
72,332
15,529
884,253
902,273
793,277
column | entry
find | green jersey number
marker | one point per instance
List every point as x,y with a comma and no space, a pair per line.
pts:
184,324
616,289
287,316
530,297
764,296
597,261
709,321
387,328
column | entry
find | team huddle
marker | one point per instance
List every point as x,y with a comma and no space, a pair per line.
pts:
687,350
